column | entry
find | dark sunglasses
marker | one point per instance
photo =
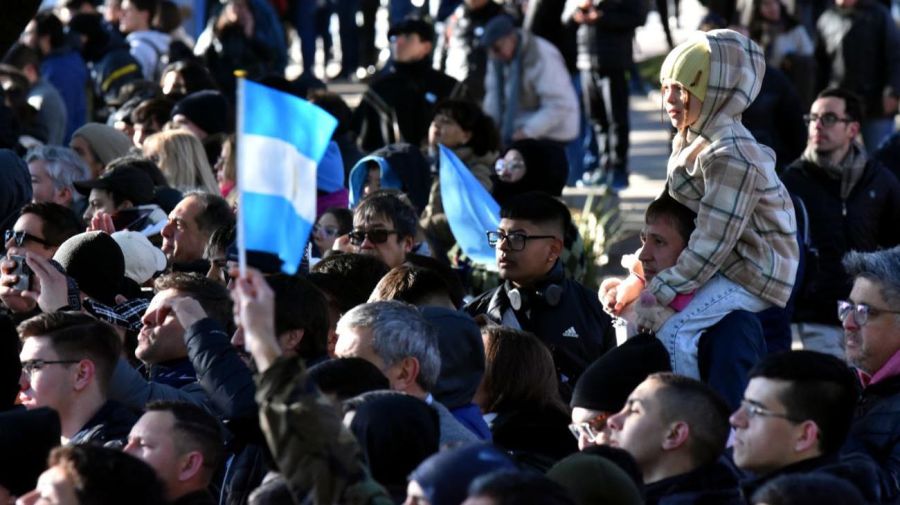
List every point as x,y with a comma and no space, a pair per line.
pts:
377,236
21,236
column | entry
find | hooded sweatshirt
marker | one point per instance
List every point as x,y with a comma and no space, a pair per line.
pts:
746,228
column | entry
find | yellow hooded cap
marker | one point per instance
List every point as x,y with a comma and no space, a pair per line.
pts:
688,65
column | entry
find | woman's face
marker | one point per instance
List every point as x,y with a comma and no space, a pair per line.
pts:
219,167
325,232
511,167
682,107
770,10
445,130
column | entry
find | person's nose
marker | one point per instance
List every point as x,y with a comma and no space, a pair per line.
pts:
646,253
849,322
237,340
167,229
738,419
614,423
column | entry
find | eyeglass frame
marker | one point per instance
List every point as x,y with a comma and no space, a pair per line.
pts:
495,242
589,429
20,236
367,234
330,231
754,410
860,308
30,366
829,119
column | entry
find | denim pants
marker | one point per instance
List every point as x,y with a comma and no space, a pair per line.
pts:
713,301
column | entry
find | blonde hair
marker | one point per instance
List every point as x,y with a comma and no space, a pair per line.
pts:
183,160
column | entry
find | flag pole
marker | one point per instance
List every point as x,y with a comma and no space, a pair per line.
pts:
241,234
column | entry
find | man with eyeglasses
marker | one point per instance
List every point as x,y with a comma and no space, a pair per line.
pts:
67,365
535,295
794,418
853,204
871,318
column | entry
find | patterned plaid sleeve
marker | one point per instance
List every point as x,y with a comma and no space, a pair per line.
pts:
126,315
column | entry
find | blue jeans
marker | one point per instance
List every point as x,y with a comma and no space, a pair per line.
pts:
303,16
714,300
575,149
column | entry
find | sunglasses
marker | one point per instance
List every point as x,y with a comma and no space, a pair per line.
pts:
377,236
20,237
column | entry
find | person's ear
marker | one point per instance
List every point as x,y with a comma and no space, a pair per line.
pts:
676,436
126,204
407,372
408,243
189,465
556,247
808,438
85,374
853,127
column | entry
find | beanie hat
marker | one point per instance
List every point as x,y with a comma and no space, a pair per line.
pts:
594,479
26,438
607,382
142,259
207,109
688,65
330,172
445,477
106,142
96,263
126,182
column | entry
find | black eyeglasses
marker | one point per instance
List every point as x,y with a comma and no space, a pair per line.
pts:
828,119
861,311
32,365
21,236
515,241
376,236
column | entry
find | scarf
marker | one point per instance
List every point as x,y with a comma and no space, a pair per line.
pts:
848,170
508,104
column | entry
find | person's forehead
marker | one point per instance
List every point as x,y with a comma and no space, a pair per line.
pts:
38,347
99,194
581,414
156,423
868,291
660,225
373,221
766,392
513,155
829,104
511,224
29,222
159,299
38,167
187,209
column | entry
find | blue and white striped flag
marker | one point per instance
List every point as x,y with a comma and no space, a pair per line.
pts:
281,139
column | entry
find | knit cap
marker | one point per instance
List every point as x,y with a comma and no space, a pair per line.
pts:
95,261
207,109
607,382
688,65
106,142
593,479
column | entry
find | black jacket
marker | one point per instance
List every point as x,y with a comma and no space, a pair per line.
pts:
866,221
109,426
229,384
399,104
458,52
714,484
576,329
775,118
858,49
196,498
606,44
861,472
515,431
876,431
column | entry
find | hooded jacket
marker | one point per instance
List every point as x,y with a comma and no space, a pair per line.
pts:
746,228
402,166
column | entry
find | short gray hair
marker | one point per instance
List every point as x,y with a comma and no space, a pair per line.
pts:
881,267
399,330
64,166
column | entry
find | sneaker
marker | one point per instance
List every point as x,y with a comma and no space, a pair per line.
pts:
592,178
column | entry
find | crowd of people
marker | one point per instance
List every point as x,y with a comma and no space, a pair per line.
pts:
749,354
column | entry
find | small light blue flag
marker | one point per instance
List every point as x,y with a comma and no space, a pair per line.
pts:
470,209
281,139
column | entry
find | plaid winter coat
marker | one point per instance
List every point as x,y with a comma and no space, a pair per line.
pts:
746,228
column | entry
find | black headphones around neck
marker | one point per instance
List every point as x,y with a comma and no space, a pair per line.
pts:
549,290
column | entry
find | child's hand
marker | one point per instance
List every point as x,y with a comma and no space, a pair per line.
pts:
649,314
618,296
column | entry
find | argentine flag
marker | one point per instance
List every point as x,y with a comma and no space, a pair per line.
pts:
281,139
471,211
